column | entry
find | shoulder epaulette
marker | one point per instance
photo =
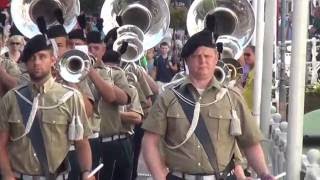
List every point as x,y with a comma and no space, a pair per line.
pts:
71,88
175,83
116,67
236,91
20,86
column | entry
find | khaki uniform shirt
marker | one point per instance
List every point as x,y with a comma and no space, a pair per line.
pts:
83,85
54,125
134,106
142,86
106,118
167,119
11,68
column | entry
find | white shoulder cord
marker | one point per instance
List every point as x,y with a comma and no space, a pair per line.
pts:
36,107
64,98
196,113
219,96
75,131
32,115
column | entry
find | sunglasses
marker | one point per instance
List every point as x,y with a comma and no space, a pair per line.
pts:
247,54
15,43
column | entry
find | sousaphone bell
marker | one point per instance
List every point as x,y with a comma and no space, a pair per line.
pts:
25,13
152,17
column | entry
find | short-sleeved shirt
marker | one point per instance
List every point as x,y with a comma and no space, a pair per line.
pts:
248,90
168,119
106,116
11,68
54,125
164,73
142,86
134,106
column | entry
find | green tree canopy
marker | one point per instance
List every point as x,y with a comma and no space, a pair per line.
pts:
178,17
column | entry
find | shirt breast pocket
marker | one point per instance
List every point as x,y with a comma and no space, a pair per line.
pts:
178,124
16,128
56,121
55,128
222,121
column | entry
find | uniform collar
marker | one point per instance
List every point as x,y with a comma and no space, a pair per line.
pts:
214,83
44,88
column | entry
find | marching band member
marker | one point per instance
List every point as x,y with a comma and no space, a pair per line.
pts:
40,119
200,123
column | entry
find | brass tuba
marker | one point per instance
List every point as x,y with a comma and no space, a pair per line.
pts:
234,23
152,17
25,13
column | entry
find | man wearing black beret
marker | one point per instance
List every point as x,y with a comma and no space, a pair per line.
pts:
111,89
77,38
59,34
39,120
200,123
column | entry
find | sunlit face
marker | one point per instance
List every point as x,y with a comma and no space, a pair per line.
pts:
249,57
97,50
39,64
202,63
62,43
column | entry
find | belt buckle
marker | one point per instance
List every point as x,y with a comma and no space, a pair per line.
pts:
219,176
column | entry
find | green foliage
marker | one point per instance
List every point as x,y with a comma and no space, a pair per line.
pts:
314,89
178,17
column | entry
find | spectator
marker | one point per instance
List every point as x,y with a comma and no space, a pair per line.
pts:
150,59
249,57
164,68
15,45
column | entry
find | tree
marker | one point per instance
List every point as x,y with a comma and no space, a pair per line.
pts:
178,17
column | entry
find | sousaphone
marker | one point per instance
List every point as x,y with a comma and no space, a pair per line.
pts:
234,22
151,18
25,13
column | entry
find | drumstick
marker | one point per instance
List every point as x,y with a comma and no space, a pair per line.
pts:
93,172
280,175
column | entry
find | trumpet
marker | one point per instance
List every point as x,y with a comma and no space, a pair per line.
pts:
74,65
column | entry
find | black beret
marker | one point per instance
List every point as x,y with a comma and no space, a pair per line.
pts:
202,38
111,57
111,37
3,18
56,31
94,37
77,34
35,44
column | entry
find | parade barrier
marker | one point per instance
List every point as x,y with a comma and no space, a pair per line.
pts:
310,166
